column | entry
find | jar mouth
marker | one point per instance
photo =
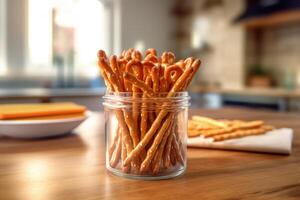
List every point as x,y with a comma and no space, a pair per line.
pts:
140,94
158,101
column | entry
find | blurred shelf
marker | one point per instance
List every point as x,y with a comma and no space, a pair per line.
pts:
246,91
273,19
50,93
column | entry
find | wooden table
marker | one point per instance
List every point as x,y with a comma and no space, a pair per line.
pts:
73,167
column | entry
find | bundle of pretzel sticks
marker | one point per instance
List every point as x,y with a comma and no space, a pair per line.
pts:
146,142
220,130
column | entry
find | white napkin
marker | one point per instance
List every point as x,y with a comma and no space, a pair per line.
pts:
275,141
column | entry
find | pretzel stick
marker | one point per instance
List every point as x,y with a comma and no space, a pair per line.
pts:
157,141
147,68
158,156
113,145
155,78
128,54
152,58
114,65
155,73
117,153
135,67
151,51
240,133
151,152
119,114
176,150
127,117
167,159
176,88
144,113
136,55
209,121
172,73
167,58
101,54
172,156
125,169
138,83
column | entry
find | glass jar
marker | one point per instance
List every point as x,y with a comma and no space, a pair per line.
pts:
146,136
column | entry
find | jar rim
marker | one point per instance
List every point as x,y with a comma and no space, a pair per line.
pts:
125,94
127,99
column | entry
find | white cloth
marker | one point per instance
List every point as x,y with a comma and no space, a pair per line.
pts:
275,141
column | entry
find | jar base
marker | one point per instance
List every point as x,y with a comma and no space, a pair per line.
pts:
147,177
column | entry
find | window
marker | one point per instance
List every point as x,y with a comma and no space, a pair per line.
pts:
65,35
2,38
53,37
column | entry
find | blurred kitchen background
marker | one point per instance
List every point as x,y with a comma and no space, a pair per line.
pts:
250,49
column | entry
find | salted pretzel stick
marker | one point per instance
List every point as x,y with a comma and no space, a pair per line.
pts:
147,68
125,169
128,54
115,68
167,159
136,55
158,156
101,54
164,85
114,160
151,152
127,117
246,125
144,113
119,114
152,58
111,76
134,66
155,78
172,156
140,84
177,150
209,121
122,54
181,64
167,58
151,51
240,133
175,139
113,145
172,73
156,124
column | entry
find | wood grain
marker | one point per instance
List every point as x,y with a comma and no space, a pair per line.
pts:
73,167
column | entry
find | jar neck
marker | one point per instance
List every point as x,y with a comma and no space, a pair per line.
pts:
179,100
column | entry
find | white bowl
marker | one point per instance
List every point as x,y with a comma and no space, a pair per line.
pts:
32,129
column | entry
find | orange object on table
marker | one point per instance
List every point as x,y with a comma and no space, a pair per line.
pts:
42,110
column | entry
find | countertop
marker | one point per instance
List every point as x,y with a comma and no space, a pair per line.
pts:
73,167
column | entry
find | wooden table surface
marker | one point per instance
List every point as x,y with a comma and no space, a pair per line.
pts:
73,167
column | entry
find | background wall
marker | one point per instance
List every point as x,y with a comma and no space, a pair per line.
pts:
223,62
279,52
147,24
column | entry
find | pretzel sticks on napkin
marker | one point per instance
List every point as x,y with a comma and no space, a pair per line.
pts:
220,130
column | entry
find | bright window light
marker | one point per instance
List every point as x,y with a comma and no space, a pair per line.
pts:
200,32
3,68
39,32
68,34
140,45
